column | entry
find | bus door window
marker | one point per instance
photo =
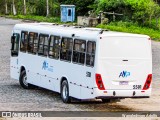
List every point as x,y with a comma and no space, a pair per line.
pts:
43,45
66,49
90,56
54,46
24,40
79,51
32,42
15,44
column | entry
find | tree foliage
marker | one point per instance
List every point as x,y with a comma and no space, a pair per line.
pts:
82,7
141,11
36,7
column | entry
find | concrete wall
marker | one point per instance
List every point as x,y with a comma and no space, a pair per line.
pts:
87,21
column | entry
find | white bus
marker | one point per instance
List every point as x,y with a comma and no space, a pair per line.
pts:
82,63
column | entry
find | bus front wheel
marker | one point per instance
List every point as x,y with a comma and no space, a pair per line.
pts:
23,80
65,92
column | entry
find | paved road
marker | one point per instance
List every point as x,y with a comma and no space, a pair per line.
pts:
13,97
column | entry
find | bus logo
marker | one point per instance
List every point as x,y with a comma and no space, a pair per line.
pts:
46,66
124,74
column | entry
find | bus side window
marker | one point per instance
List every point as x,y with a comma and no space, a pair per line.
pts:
79,51
90,56
32,42
43,45
24,40
15,45
35,43
54,47
66,49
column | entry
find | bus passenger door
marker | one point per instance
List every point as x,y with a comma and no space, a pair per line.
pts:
14,70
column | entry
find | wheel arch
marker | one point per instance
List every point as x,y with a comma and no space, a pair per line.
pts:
22,69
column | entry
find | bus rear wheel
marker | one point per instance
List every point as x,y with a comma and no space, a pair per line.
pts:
65,92
23,80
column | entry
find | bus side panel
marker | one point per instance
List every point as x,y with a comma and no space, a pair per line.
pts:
87,93
49,76
74,91
87,90
32,77
14,69
35,74
74,74
26,60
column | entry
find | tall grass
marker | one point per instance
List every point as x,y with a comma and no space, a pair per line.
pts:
132,28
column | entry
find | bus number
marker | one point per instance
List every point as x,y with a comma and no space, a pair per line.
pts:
88,74
136,86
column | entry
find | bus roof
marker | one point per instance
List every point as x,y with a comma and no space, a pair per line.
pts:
71,31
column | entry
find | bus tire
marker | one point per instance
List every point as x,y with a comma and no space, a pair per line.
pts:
65,92
22,80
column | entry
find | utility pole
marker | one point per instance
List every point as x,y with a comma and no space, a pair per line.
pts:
47,8
14,8
6,7
24,7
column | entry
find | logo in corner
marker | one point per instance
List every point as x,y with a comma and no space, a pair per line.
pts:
6,114
124,74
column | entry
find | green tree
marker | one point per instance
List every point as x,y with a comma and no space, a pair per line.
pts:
141,11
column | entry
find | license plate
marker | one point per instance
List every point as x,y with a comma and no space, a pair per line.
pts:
123,83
